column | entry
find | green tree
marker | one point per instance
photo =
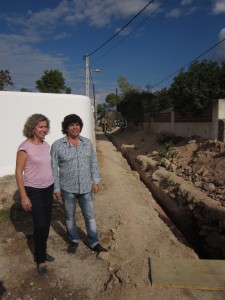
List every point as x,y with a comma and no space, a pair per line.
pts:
68,90
222,76
112,99
163,100
5,79
131,107
24,90
197,88
52,82
124,85
102,110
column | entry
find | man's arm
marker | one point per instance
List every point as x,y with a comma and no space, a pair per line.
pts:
94,170
55,167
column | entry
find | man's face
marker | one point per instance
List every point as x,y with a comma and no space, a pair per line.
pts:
73,130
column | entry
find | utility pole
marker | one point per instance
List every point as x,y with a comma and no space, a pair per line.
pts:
87,75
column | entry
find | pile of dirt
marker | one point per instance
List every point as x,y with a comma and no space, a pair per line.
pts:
197,160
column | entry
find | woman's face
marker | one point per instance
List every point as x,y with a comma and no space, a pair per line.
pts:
40,130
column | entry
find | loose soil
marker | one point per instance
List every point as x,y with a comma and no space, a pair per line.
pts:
130,226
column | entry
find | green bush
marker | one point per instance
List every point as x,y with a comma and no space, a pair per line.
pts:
168,139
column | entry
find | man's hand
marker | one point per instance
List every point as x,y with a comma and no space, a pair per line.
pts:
58,197
95,187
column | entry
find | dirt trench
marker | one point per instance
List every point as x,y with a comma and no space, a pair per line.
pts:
199,217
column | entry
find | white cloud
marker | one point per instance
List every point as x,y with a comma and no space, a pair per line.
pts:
95,12
218,7
26,63
220,50
61,36
185,8
174,13
186,2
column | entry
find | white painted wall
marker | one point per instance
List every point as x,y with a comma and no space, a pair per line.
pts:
16,107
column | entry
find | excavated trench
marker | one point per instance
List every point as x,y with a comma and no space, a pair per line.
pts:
192,217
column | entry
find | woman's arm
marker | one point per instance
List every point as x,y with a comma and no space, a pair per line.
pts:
20,164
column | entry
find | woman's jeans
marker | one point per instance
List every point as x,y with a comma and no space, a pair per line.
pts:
85,202
41,200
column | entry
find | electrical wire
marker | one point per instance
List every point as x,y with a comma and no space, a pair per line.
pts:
189,63
131,31
84,57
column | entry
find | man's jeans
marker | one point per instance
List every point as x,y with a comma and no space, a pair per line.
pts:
85,202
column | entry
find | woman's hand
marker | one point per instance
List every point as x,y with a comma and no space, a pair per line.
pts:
26,204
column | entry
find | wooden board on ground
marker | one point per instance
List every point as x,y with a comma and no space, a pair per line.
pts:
188,273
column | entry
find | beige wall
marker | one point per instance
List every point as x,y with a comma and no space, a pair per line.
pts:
207,130
221,109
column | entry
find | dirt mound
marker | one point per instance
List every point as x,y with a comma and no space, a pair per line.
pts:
197,160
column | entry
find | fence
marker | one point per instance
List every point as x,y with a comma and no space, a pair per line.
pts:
210,124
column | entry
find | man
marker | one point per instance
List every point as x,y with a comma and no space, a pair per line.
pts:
76,178
104,124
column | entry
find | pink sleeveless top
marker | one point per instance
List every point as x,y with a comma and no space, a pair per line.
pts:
37,171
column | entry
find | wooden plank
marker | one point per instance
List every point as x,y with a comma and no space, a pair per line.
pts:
188,273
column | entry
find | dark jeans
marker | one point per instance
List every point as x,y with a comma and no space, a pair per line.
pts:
41,200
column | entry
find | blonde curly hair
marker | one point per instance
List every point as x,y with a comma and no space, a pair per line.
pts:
32,122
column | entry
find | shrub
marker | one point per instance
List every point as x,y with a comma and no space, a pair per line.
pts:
168,139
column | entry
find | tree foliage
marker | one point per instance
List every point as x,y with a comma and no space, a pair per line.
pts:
196,89
124,85
191,92
24,90
68,90
5,79
102,110
163,100
131,107
52,82
112,99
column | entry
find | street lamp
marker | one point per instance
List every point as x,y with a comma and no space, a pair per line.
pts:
94,96
88,72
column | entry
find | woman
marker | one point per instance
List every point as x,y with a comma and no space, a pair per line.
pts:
35,183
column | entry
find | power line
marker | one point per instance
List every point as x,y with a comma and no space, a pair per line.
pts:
120,29
189,63
131,31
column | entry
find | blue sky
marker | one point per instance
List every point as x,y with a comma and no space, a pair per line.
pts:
42,35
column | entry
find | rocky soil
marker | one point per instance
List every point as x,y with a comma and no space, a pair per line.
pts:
196,160
131,225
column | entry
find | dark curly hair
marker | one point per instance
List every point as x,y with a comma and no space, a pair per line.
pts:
69,120
32,122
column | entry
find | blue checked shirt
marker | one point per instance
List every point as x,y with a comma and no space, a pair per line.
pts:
74,169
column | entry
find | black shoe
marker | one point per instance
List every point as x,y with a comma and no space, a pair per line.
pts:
43,271
72,247
98,248
49,258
